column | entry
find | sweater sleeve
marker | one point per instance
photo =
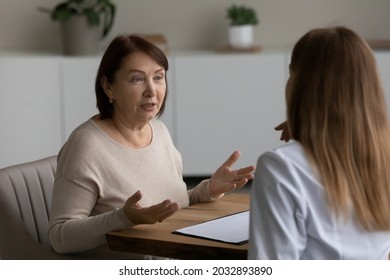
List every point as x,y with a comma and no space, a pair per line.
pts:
71,228
277,227
201,193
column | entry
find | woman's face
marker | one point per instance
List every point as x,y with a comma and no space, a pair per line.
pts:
138,90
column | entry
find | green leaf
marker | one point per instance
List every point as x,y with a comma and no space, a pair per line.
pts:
60,15
240,15
108,18
93,17
95,11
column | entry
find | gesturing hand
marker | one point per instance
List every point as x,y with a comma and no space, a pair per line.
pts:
225,179
148,215
285,136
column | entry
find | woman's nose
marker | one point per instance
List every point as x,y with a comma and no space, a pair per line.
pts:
150,89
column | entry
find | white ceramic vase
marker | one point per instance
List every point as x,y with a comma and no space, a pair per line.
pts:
241,36
79,37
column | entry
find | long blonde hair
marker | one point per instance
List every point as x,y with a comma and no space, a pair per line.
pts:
336,109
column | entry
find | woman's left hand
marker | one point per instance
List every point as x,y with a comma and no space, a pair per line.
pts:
225,179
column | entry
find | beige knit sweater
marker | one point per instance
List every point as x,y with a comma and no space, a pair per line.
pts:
96,175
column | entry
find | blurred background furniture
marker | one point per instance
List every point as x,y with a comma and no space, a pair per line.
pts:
234,102
25,198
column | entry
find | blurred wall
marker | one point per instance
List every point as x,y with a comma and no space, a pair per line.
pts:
190,24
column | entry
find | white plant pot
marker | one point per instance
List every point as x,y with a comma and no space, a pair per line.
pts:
241,36
79,37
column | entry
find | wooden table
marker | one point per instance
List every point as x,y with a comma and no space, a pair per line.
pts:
158,239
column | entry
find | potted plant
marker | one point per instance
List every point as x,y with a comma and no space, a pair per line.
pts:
242,20
83,23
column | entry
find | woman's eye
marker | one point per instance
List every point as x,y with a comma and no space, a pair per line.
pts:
159,78
137,79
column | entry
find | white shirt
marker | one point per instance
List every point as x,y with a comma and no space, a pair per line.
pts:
290,217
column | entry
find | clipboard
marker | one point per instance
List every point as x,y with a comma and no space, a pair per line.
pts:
233,229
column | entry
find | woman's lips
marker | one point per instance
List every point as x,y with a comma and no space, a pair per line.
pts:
148,106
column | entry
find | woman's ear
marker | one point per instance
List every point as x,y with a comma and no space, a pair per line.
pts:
106,87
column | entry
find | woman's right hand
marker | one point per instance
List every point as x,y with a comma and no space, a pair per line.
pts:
285,136
148,215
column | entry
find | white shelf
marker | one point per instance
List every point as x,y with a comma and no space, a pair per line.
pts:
217,103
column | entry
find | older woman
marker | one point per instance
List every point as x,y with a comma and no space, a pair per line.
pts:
120,168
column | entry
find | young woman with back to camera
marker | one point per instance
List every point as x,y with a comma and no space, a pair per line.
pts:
326,194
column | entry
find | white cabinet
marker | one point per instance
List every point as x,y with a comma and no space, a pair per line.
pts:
78,96
225,103
217,103
383,61
29,109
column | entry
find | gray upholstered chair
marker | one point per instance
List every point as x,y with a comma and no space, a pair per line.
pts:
25,198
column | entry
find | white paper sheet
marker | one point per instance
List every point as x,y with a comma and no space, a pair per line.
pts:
230,229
